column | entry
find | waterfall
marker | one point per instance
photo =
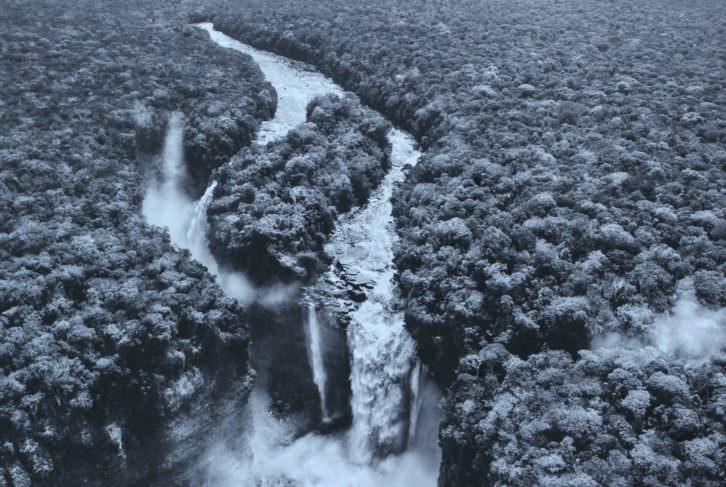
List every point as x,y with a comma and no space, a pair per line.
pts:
315,356
387,382
382,357
173,152
383,354
196,236
165,204
315,353
414,400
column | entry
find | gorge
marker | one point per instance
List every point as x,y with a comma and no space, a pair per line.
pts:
376,385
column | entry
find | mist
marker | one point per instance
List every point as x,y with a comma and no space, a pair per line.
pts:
690,331
273,457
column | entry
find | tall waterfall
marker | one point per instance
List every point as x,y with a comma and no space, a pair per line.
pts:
383,354
165,204
173,152
315,354
414,400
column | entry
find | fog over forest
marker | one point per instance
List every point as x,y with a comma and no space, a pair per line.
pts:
328,243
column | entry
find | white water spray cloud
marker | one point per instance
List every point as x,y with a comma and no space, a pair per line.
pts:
274,458
690,331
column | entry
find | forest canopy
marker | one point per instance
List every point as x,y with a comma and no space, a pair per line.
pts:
571,190
107,331
275,205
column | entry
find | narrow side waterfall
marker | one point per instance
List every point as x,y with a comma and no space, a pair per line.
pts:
415,400
315,354
173,152
197,231
167,205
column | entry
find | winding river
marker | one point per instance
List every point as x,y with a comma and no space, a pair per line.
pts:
392,439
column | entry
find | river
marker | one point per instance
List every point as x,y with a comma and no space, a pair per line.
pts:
395,413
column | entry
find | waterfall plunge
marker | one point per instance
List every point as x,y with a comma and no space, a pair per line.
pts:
197,231
383,355
414,400
384,376
315,355
165,205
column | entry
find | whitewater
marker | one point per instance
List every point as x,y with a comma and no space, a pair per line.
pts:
395,409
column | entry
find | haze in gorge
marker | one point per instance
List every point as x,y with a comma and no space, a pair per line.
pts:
250,243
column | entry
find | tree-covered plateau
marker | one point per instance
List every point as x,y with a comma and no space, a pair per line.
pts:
571,189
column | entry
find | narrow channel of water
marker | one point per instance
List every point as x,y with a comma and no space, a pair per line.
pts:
395,411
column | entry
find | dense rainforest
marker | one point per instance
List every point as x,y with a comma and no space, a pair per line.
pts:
561,243
571,192
106,330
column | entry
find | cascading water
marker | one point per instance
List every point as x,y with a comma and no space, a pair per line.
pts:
394,407
415,400
167,205
197,231
164,204
315,353
383,354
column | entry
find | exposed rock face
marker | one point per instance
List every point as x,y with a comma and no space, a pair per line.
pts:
280,359
275,205
112,343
